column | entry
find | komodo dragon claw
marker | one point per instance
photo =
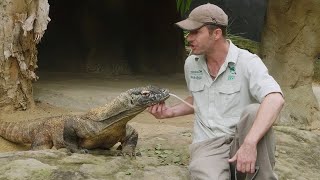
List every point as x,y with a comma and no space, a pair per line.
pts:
127,151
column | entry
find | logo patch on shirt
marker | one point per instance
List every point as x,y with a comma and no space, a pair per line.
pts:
232,71
196,74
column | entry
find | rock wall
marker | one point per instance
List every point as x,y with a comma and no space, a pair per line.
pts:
290,45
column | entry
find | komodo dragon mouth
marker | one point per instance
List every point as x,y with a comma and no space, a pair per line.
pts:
148,95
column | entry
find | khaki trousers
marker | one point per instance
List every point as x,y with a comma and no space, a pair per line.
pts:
209,159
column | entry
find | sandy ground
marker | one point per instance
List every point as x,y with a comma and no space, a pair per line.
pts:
70,93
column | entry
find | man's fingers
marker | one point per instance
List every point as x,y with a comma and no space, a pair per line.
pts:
248,167
253,167
150,109
233,159
159,108
154,109
159,111
239,167
163,106
243,168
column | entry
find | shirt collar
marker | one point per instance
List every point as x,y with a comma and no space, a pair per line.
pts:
232,57
233,53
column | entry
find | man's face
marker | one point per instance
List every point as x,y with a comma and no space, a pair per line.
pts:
200,40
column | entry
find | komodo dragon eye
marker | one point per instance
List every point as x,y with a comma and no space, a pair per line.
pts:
145,93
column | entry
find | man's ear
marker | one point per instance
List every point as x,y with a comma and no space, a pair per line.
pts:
217,33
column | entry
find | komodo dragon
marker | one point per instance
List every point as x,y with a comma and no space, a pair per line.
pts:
100,127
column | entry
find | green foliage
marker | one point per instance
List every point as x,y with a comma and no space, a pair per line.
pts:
185,34
241,42
244,43
183,6
316,75
167,156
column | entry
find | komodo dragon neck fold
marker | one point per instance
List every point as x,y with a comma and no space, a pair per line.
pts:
116,109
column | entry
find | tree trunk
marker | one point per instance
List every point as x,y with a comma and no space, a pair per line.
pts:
22,25
290,45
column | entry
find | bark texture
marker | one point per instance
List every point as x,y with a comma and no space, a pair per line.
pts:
22,25
290,45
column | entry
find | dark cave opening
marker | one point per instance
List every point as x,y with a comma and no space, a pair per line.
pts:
115,37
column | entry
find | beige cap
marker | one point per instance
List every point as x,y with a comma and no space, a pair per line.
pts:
204,14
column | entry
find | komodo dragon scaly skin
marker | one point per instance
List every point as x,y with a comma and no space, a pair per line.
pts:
101,127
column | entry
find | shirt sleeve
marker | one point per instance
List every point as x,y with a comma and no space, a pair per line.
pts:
260,82
186,72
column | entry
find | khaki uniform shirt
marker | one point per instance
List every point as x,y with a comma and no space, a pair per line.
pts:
243,79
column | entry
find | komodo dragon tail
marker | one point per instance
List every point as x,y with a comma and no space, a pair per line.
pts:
18,132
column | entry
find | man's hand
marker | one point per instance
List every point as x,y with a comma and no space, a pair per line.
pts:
245,157
160,111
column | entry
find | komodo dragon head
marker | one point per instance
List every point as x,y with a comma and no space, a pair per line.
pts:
138,99
147,96
129,103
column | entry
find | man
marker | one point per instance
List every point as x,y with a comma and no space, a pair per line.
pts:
236,102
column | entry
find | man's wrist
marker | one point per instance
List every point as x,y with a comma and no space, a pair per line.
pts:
250,141
172,113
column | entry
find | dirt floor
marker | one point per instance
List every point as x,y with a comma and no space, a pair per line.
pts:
70,93
164,140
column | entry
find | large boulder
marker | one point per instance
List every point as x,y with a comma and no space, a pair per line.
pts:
290,45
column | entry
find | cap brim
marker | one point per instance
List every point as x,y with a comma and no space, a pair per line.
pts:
189,25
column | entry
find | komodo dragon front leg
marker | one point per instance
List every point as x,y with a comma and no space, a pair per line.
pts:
41,141
71,138
129,142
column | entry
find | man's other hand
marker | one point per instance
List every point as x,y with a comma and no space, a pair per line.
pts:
245,158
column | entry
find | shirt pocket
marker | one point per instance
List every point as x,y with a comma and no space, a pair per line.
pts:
198,92
196,87
228,100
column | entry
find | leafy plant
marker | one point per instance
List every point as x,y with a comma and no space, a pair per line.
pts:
244,43
183,6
